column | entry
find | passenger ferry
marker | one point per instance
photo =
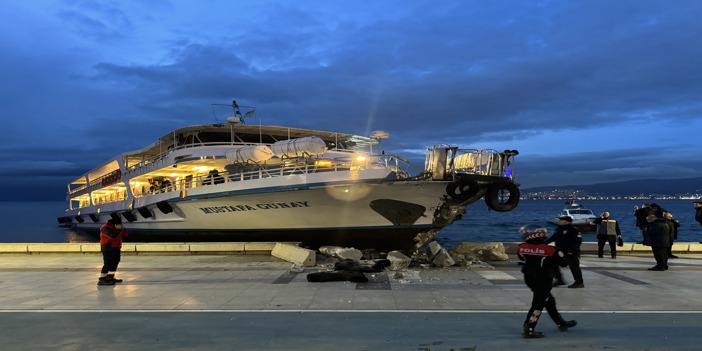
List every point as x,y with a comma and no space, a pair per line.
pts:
240,182
583,218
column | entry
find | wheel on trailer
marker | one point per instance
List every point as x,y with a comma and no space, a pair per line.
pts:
502,197
464,190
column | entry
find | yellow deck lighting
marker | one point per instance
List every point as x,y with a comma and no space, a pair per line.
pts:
323,163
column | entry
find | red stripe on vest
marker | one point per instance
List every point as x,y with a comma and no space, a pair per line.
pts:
536,250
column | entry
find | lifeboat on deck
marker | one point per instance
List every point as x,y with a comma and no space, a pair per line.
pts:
307,146
250,154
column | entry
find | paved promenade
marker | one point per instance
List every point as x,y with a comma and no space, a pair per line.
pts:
253,302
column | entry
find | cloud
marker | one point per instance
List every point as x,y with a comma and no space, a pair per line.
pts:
608,166
580,89
95,20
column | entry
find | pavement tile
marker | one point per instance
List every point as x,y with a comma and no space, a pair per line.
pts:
67,281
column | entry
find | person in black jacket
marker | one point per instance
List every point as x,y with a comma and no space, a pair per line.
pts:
673,225
658,210
658,235
539,262
568,239
641,221
698,211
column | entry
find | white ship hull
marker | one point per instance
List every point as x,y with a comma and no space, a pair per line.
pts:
392,211
315,189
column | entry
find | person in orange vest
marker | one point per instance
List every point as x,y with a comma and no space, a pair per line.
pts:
607,231
111,234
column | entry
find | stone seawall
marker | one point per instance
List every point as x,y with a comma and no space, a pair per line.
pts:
175,248
259,248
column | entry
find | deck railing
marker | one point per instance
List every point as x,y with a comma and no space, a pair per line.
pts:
467,161
292,167
487,162
162,156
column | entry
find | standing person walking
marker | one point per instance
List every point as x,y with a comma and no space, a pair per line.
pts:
539,263
607,231
568,239
111,234
658,236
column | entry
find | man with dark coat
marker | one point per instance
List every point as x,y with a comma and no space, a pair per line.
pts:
641,221
658,236
568,239
698,211
539,262
658,210
673,225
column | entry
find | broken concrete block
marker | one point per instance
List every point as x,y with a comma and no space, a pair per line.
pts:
483,251
344,253
294,254
433,249
398,260
296,268
442,259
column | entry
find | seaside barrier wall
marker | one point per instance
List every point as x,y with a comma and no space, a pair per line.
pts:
173,248
259,248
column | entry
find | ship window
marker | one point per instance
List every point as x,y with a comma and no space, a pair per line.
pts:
208,137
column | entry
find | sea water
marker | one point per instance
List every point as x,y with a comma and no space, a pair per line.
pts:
35,222
480,224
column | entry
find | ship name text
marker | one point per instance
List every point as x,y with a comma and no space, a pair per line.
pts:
256,207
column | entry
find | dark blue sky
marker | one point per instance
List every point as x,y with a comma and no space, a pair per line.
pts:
587,91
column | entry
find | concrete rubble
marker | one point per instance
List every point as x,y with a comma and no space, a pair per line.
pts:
294,254
337,263
343,253
398,261
438,256
470,252
297,268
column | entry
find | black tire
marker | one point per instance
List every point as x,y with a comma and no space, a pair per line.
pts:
481,192
502,197
165,207
463,189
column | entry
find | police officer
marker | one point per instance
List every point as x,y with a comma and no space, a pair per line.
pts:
539,262
568,240
607,231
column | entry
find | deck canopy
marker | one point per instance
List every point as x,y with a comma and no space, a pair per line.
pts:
223,134
97,172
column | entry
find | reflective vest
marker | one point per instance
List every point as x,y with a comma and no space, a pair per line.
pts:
607,226
109,234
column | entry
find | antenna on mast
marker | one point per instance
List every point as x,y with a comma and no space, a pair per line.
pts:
235,106
237,113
